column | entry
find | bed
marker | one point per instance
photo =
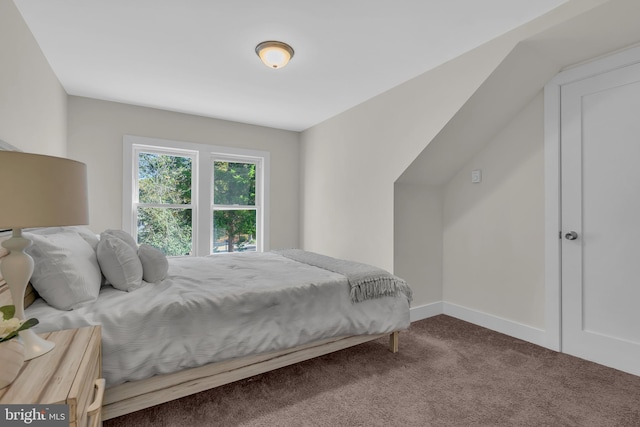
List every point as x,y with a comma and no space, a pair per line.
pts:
217,319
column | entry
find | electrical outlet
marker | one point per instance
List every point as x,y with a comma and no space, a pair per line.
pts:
476,176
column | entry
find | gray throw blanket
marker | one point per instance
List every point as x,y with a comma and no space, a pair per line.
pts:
366,281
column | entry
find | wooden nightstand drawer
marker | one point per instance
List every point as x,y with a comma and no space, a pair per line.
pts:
67,374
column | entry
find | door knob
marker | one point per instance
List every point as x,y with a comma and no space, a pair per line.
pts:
572,235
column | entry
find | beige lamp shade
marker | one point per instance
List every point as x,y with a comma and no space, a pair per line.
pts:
41,191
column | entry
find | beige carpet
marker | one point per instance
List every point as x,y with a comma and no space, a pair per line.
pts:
448,373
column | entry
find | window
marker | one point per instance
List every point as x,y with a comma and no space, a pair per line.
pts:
234,205
164,207
194,199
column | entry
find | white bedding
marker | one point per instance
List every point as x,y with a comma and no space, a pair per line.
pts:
219,307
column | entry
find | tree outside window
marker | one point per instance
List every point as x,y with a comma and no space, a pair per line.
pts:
234,210
195,199
164,208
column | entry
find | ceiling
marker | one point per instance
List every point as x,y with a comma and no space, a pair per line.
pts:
197,56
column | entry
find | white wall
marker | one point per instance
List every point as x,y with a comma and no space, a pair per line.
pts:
493,232
418,225
33,104
351,161
96,129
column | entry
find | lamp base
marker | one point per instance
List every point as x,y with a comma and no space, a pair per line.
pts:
34,345
17,268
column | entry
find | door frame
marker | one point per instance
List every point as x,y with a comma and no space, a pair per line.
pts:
552,189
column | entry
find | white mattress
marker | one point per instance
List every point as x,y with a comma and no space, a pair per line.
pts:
220,307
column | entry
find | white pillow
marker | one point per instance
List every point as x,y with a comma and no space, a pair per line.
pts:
89,236
119,263
66,272
154,264
83,231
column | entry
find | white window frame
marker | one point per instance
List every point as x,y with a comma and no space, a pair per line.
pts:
202,185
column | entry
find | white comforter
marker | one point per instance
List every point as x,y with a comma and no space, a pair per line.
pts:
219,307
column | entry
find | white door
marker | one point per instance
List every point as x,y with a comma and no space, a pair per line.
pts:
600,188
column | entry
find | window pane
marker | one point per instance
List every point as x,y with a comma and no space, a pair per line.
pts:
234,183
164,178
234,230
167,229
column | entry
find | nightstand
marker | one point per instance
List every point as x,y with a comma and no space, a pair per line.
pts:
69,374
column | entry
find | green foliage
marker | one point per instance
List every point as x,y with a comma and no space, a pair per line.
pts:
166,179
8,311
166,229
234,184
11,326
231,224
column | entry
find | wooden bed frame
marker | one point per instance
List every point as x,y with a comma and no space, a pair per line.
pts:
136,395
133,396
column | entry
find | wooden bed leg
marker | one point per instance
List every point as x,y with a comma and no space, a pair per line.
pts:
393,342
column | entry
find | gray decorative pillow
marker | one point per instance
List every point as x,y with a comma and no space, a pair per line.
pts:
122,235
119,263
66,272
155,265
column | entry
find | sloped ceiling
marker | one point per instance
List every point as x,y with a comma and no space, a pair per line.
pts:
197,56
513,84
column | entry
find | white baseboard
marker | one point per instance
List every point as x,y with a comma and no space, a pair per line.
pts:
498,324
489,321
425,311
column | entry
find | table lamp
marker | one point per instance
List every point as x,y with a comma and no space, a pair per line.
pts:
36,191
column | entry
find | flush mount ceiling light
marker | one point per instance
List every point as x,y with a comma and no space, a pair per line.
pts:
274,54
